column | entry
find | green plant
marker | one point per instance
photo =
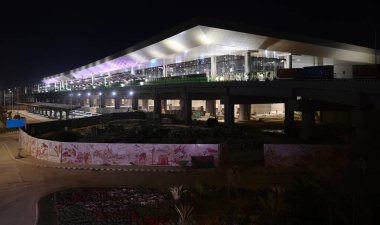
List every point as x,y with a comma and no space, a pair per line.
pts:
177,191
273,204
185,214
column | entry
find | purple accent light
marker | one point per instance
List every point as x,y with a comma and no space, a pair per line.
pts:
106,67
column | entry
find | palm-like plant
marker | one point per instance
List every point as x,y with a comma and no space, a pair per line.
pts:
177,191
184,212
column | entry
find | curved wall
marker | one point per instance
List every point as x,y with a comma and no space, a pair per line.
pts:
115,154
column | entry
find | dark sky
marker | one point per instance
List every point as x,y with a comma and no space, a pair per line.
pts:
42,39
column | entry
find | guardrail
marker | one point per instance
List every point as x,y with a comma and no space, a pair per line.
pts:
204,80
50,126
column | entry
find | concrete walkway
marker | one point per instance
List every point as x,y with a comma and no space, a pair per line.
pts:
24,181
33,118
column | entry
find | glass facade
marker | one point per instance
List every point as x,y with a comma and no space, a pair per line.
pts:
263,68
198,66
228,68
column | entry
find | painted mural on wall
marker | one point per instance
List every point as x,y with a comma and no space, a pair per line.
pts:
115,154
42,149
39,148
292,154
54,151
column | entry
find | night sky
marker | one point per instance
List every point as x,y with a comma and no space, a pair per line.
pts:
42,39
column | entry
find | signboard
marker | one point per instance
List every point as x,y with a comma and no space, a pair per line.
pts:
15,123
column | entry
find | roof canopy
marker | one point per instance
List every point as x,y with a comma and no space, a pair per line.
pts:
51,105
194,41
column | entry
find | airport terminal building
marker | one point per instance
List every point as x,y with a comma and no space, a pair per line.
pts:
221,69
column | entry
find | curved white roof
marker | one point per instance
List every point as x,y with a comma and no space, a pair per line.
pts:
199,41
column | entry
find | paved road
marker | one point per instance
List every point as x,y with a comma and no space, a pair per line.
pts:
23,184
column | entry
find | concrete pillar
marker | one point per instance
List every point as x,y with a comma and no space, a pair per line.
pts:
289,123
164,73
55,113
84,102
245,112
365,120
228,111
318,61
247,63
50,112
76,101
60,114
67,114
289,62
144,104
164,104
307,124
102,101
210,107
186,108
117,102
157,105
133,70
213,68
90,102
135,103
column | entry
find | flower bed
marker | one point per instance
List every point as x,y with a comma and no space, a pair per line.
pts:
98,206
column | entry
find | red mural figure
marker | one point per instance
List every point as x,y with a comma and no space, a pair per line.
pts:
142,158
179,153
163,160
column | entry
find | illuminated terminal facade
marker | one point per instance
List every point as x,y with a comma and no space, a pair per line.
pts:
197,66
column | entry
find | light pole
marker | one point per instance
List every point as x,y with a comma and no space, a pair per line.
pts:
12,101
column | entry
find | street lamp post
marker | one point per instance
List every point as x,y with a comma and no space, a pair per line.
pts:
10,95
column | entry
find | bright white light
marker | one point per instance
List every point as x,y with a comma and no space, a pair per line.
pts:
88,94
79,94
130,92
113,93
174,45
204,39
141,83
122,85
100,93
48,85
